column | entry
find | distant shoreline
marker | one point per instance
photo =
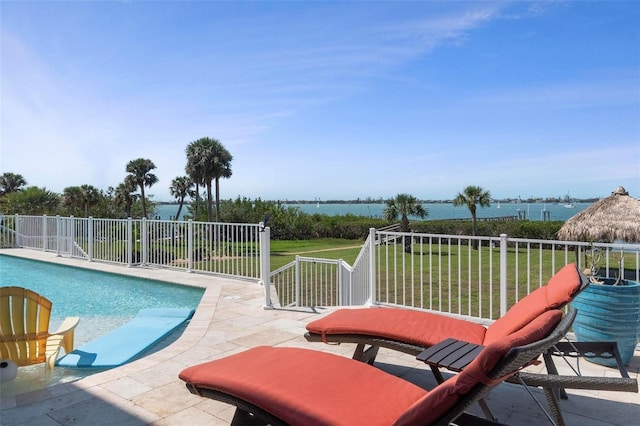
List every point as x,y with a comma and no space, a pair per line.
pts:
496,201
560,211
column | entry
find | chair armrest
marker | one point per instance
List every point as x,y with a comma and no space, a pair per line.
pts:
67,325
553,381
66,330
589,350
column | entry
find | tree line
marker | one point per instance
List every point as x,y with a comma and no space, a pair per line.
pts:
207,161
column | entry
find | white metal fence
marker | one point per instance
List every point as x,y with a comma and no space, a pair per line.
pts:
234,250
314,282
478,277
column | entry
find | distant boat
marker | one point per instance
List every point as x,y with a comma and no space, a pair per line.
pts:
567,202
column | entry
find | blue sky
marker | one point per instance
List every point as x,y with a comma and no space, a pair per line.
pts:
329,100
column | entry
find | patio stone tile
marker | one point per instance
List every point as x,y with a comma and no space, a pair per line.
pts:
102,412
126,387
198,354
583,409
191,416
33,421
156,400
220,411
267,337
40,408
160,375
215,408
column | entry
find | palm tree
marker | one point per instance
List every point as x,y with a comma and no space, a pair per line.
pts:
11,182
124,194
31,201
139,170
223,170
471,197
72,199
90,197
404,205
193,172
208,161
180,188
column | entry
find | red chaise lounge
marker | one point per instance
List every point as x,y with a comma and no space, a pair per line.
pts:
412,331
303,387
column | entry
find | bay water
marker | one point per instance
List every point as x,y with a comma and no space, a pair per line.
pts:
531,211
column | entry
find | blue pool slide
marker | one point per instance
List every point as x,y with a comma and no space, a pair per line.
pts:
128,341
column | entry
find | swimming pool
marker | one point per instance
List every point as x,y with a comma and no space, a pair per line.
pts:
87,293
102,300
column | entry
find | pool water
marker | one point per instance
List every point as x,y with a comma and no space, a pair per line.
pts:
103,301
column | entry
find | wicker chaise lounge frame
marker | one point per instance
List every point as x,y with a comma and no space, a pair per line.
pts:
248,413
553,384
368,338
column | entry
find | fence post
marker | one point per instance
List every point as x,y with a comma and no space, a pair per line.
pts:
58,222
265,263
16,227
143,242
342,291
72,236
190,245
44,233
298,279
372,267
503,273
129,242
90,239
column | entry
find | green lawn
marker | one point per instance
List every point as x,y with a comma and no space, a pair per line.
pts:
283,252
454,275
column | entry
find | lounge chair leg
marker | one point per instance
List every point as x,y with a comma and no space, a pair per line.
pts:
556,416
551,369
359,353
437,374
554,407
366,355
485,409
244,418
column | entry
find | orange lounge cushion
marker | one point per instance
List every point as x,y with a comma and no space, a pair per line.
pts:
559,291
302,386
423,329
442,398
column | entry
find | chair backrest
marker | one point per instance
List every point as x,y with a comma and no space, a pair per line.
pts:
566,284
24,325
513,361
494,364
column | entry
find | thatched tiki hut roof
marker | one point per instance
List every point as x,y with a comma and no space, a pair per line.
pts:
615,218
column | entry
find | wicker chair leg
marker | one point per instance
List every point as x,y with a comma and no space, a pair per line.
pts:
485,410
366,355
551,369
244,418
481,402
554,406
555,417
